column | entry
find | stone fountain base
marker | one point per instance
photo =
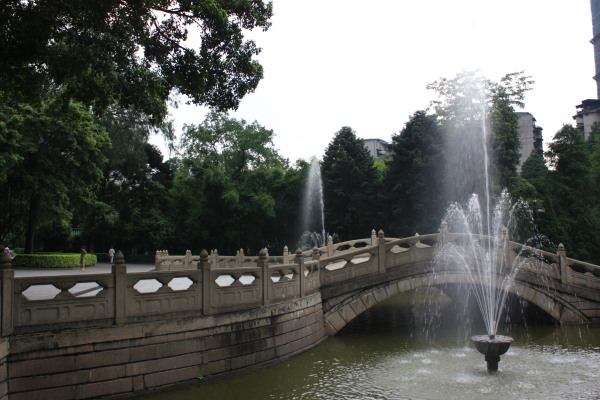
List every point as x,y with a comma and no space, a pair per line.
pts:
492,347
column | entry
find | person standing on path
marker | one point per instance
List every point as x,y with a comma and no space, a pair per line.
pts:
111,255
83,253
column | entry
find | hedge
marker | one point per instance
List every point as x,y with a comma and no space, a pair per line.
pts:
52,260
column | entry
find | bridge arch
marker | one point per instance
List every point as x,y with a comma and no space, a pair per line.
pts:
344,309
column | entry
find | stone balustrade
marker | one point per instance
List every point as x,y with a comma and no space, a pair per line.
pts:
210,284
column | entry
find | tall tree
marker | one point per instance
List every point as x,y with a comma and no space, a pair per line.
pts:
570,197
54,155
415,175
227,181
349,178
135,53
477,112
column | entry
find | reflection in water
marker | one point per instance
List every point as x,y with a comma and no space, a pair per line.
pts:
411,348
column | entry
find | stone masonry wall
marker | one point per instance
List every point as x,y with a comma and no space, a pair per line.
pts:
119,361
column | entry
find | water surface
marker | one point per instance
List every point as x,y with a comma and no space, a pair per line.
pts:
406,349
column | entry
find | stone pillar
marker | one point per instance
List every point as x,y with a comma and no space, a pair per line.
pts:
263,265
373,238
563,265
204,265
286,255
119,272
187,263
7,274
381,256
239,257
329,246
214,258
315,253
508,254
301,269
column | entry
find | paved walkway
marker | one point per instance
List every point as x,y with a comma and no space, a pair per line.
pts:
99,268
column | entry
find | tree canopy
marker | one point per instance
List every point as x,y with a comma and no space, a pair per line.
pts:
349,178
134,53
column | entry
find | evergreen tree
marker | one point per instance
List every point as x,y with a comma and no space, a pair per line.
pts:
570,197
414,177
349,186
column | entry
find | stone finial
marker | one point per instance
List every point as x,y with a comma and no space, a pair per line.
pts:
380,234
263,254
285,249
561,249
298,252
5,261
204,255
329,239
119,258
315,253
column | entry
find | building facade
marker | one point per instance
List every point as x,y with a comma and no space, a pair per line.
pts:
377,147
530,136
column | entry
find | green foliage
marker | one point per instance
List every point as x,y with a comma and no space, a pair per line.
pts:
52,260
53,157
349,185
570,197
415,175
535,171
132,53
469,101
236,190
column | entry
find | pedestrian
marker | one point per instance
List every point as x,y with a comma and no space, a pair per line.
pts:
111,255
83,253
11,253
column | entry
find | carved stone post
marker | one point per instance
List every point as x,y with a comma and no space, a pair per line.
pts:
286,255
315,253
329,246
301,269
239,257
508,255
263,265
373,238
563,264
381,255
187,264
119,272
214,258
7,274
204,265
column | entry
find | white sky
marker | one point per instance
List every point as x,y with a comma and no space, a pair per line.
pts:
334,63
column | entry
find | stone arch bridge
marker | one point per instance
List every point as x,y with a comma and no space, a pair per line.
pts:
123,333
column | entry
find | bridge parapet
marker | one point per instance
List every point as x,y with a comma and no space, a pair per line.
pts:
53,302
165,262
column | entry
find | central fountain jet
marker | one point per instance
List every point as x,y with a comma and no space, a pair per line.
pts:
475,239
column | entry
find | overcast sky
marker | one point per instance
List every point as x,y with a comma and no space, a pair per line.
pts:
334,63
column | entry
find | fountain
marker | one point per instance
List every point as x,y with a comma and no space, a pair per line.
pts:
313,214
482,251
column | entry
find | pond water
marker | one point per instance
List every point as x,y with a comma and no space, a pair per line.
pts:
411,347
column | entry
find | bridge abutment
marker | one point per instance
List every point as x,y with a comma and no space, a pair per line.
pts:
123,360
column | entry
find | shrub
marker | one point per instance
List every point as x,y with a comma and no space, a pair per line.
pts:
52,260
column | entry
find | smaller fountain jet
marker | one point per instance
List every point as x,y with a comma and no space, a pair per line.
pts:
482,252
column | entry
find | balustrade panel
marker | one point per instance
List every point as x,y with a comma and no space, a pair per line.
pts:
72,300
163,292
